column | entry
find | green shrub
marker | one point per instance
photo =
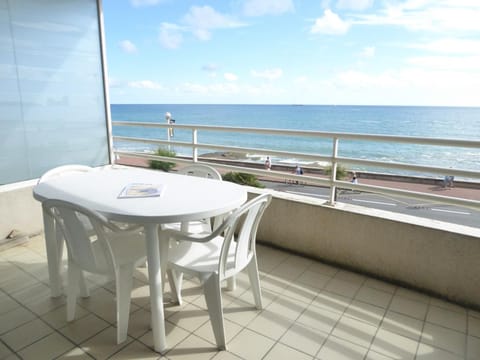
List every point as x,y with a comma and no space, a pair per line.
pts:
243,179
342,172
160,164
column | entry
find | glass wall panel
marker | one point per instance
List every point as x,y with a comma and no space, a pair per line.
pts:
52,104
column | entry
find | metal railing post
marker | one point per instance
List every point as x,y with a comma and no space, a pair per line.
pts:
194,147
333,175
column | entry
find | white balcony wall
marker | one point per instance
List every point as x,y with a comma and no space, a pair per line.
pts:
52,102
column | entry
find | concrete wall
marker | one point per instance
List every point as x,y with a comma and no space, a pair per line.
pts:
433,256
19,210
437,257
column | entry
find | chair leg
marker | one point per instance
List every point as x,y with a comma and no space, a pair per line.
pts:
232,283
175,280
73,281
84,291
124,280
213,298
252,269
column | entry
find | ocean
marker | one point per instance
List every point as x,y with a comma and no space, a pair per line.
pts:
435,122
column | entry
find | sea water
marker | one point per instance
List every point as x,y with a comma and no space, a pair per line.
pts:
434,122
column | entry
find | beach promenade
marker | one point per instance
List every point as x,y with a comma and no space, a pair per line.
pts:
457,191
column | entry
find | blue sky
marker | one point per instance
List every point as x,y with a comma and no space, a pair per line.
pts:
365,52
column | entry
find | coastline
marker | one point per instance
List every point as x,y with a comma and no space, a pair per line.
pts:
461,189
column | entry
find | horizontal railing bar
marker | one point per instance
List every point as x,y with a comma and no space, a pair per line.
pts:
314,157
323,182
313,133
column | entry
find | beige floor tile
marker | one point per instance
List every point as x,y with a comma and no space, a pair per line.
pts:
4,351
304,338
16,280
280,351
444,338
413,295
270,325
189,317
370,314
354,331
174,336
350,276
374,296
81,329
139,323
226,355
402,325
240,312
373,355
339,349
58,318
26,334
332,302
287,307
447,305
300,292
206,332
258,345
323,269
474,326
409,307
274,283
104,344
313,279
289,270
447,318
136,350
76,353
37,298
343,287
473,348
15,318
393,345
192,348
428,352
380,285
7,304
49,347
319,318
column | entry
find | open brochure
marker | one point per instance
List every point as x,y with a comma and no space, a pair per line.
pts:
136,190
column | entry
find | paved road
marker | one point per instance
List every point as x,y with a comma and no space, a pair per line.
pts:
409,206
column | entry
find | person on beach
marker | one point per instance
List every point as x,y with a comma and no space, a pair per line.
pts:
354,178
448,181
298,171
268,164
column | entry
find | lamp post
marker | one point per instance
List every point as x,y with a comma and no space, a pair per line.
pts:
168,117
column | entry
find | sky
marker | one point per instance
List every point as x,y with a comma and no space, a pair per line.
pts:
325,52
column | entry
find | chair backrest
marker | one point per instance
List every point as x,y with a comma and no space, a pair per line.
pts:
200,170
84,233
240,230
62,170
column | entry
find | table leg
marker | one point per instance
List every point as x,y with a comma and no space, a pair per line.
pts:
53,258
155,281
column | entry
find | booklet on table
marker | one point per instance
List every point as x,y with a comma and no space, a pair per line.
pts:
136,190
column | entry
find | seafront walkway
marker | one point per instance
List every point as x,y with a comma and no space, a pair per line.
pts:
459,190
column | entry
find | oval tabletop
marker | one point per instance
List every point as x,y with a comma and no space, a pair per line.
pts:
182,197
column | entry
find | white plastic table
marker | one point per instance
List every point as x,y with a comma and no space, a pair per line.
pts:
184,198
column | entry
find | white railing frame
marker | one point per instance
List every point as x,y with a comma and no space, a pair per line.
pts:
334,159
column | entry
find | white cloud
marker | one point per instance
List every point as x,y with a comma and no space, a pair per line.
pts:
128,46
431,15
201,20
268,74
267,7
138,3
354,4
368,52
145,84
170,35
330,23
217,89
114,83
461,63
230,77
451,46
210,67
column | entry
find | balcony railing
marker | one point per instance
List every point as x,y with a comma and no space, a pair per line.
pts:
333,157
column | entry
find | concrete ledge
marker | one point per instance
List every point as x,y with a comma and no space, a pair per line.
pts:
432,256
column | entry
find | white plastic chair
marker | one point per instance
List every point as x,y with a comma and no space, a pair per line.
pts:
219,256
112,253
53,173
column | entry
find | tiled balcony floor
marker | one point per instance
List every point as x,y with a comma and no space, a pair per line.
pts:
312,311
